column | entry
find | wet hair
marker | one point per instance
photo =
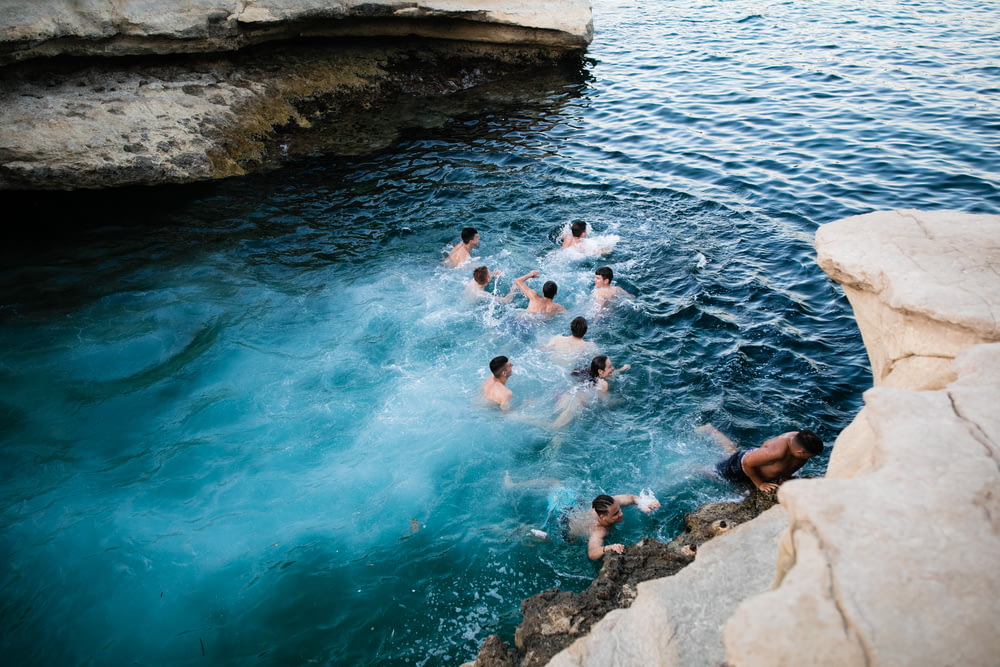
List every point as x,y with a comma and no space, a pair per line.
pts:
497,364
578,228
606,273
549,290
597,364
578,327
481,275
809,441
602,503
468,234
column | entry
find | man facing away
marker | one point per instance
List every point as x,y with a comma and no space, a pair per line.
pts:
481,277
604,291
539,304
577,232
495,388
462,252
770,464
574,344
605,511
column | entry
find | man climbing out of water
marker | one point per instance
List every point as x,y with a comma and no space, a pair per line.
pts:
481,277
495,388
770,464
543,304
573,344
604,291
605,512
462,252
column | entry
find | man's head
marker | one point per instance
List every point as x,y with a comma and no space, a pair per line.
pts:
578,229
481,275
500,367
806,444
608,510
549,290
470,236
578,327
603,276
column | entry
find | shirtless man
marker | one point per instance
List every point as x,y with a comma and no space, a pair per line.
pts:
769,465
577,232
605,512
495,388
539,304
574,344
462,252
481,277
604,291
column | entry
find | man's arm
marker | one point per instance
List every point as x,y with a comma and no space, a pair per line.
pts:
596,549
626,499
525,290
756,459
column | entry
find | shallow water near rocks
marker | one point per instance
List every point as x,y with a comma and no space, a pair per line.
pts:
240,421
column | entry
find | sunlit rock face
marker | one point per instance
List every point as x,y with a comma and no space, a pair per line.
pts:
151,92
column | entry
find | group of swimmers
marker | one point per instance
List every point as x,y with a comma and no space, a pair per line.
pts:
763,468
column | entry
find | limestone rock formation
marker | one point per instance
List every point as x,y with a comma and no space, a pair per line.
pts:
923,284
146,92
890,559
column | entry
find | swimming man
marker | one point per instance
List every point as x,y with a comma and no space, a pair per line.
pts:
605,512
595,377
604,291
770,464
573,344
495,388
539,304
575,239
462,252
481,277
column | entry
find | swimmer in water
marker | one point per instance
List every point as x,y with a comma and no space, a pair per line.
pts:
595,385
462,252
766,467
543,304
604,291
577,234
481,277
573,345
605,511
495,388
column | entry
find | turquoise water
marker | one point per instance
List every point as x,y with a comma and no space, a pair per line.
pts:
239,421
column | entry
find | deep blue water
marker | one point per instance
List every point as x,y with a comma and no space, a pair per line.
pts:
239,421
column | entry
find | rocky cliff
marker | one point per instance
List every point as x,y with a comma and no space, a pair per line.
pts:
100,94
891,558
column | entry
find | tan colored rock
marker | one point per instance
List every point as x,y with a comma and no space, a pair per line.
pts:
924,285
677,620
896,565
39,28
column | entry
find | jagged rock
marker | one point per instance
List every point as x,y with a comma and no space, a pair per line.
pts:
110,118
554,619
43,28
924,285
895,565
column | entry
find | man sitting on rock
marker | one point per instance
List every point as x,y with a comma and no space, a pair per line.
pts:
770,464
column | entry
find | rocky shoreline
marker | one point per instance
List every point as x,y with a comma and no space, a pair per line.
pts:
95,96
886,560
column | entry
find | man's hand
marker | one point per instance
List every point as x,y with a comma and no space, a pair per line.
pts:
767,487
614,548
647,509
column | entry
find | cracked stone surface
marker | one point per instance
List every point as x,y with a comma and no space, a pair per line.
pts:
892,559
924,285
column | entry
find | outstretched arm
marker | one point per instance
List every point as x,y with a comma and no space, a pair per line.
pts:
626,499
525,290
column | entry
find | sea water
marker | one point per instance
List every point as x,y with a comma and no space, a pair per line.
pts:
240,422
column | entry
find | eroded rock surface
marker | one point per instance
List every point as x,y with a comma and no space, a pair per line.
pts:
96,94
